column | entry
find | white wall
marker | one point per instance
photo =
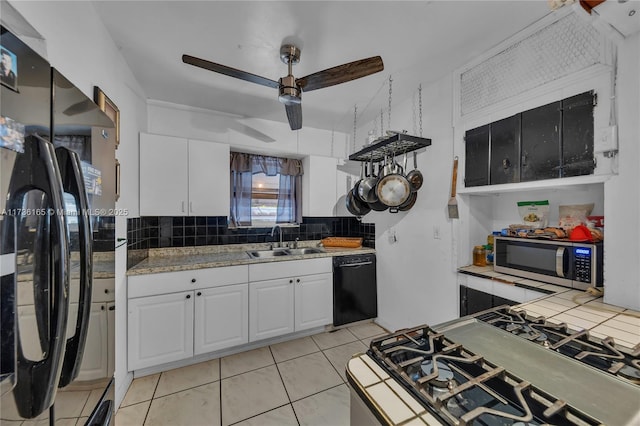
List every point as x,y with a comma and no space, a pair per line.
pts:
243,134
622,197
79,46
416,276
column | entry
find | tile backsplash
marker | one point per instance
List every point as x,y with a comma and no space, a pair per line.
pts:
162,231
104,233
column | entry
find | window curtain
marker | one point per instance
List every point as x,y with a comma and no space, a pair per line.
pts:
243,166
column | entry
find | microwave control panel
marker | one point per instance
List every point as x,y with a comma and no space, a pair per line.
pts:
582,264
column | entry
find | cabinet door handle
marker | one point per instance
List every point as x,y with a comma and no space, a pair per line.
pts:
199,293
102,308
106,291
183,207
112,308
298,280
193,280
188,296
290,281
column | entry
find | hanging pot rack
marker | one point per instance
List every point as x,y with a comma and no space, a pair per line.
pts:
395,144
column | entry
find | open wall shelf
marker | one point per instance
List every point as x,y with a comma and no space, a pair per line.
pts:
397,144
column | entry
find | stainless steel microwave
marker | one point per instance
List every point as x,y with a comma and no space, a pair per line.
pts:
566,263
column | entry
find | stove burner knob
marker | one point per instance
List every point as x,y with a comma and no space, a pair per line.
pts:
546,344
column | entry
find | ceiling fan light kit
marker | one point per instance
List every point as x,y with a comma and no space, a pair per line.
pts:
289,88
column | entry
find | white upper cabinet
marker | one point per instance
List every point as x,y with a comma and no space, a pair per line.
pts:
208,179
319,186
181,177
164,178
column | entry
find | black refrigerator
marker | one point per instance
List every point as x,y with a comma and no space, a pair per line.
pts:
57,193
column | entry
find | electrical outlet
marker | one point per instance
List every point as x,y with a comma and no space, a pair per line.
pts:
436,232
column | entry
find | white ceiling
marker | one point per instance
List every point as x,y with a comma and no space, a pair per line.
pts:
418,41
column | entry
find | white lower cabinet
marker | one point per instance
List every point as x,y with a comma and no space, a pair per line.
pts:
95,361
160,329
173,316
285,297
221,318
270,308
313,301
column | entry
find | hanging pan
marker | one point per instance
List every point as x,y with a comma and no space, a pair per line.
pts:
415,177
378,205
411,201
355,206
393,189
367,186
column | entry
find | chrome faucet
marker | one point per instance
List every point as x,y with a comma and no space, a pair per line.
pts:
273,230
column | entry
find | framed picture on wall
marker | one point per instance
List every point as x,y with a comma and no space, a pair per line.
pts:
8,68
109,108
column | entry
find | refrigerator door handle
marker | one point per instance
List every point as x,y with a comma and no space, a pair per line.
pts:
73,183
37,381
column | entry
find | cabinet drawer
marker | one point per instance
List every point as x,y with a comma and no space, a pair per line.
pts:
292,268
104,290
171,282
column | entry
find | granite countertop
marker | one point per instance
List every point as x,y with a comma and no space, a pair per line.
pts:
103,267
190,258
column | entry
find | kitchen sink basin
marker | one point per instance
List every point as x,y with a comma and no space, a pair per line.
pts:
305,250
256,254
268,253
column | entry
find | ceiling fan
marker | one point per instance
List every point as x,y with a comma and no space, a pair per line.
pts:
290,88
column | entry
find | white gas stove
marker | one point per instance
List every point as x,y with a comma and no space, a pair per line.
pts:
500,367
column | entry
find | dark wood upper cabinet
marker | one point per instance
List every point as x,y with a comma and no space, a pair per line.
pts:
551,141
541,148
577,135
505,151
477,157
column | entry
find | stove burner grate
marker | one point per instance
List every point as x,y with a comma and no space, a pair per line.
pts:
601,354
463,388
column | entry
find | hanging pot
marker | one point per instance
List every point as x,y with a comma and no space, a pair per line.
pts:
357,184
393,189
378,205
355,206
367,187
411,201
415,177
360,207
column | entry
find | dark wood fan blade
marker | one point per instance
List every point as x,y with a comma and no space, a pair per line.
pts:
294,114
231,72
341,74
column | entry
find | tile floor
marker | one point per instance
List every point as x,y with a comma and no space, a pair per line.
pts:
300,382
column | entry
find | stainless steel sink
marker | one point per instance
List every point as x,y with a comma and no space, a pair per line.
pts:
268,253
305,250
256,254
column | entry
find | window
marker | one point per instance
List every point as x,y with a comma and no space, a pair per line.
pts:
265,190
264,199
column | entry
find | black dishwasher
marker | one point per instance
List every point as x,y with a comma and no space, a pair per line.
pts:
355,295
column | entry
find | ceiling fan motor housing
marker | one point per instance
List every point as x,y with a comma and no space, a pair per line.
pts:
289,91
